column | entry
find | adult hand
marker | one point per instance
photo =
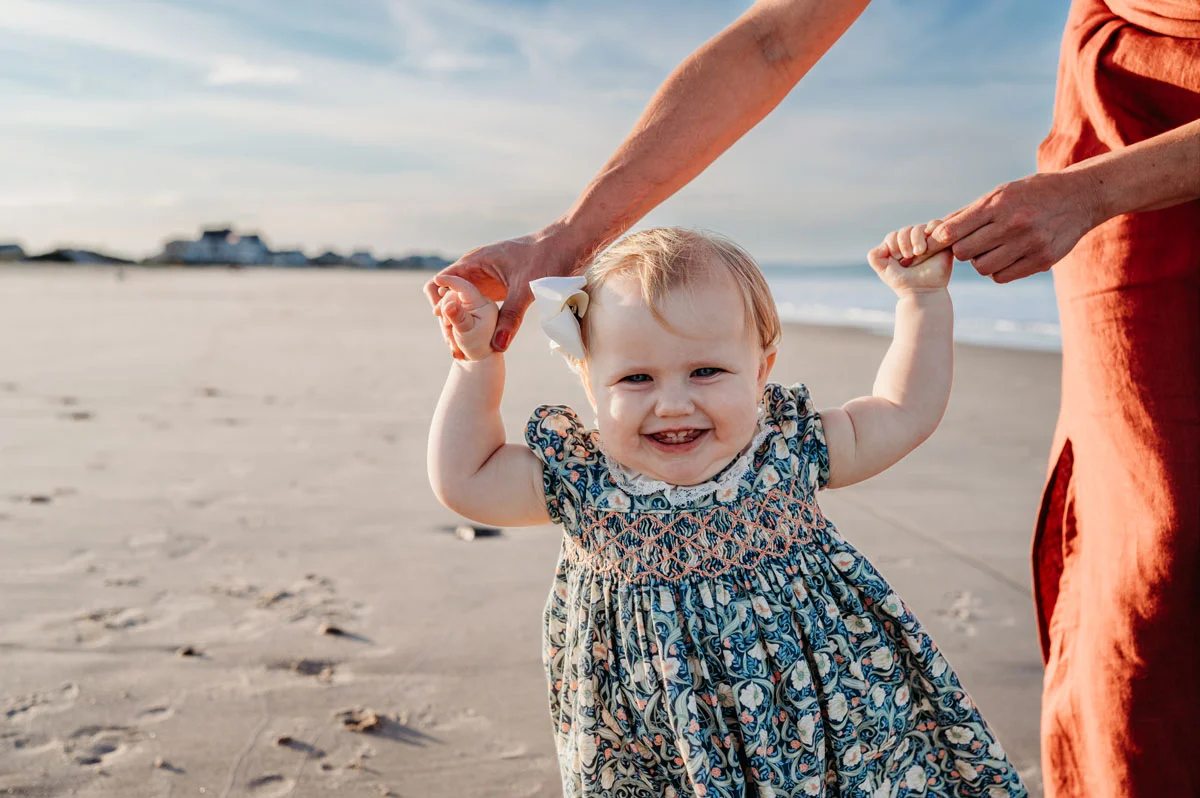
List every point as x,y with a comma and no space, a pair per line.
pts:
502,273
1023,227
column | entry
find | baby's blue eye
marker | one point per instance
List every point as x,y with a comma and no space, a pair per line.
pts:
707,371
636,378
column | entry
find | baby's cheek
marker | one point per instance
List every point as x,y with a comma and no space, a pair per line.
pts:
739,416
618,415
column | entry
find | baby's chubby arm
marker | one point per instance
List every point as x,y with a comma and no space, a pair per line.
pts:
472,470
869,434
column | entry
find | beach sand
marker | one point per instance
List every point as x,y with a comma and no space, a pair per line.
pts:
203,471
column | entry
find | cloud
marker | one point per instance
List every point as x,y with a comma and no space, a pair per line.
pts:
443,124
235,71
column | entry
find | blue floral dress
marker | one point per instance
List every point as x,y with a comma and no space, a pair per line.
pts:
736,645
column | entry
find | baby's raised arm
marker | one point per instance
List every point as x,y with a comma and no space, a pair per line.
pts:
472,470
869,434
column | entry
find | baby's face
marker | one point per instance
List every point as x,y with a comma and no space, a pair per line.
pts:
678,403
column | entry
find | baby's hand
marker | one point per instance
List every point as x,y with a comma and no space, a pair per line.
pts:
468,317
905,263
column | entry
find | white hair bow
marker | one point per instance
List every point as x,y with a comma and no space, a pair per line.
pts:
561,303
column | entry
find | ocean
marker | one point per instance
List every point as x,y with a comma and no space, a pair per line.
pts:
1019,315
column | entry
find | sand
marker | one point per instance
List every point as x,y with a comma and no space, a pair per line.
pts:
205,473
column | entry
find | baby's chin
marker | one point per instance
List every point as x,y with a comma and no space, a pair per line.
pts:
692,472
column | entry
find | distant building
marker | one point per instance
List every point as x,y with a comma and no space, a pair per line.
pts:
287,257
174,252
77,256
329,259
213,246
218,245
250,250
222,245
11,252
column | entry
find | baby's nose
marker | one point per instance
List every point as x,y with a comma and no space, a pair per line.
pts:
673,403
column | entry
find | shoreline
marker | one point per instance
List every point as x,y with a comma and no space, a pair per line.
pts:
875,329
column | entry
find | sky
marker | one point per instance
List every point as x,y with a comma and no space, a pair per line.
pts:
441,125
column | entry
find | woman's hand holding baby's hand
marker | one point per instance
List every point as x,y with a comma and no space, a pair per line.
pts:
468,317
904,262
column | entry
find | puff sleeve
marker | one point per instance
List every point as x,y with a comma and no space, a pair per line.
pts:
568,451
791,409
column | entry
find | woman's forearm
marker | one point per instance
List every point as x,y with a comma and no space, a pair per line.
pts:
710,101
1156,173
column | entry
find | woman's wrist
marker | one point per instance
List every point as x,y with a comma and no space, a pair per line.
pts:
1096,190
567,244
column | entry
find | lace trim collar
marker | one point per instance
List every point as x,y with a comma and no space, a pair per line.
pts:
638,484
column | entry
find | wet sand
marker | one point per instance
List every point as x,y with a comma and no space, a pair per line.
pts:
216,536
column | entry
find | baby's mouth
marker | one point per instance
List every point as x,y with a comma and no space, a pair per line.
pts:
676,437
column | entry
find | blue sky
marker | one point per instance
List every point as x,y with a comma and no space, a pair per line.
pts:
439,125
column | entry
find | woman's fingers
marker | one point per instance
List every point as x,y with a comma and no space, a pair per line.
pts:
998,259
511,314
963,222
1022,267
447,281
983,239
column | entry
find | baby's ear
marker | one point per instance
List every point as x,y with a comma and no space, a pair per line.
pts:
765,364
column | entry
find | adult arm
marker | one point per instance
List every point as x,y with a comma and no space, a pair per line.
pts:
710,101
1027,226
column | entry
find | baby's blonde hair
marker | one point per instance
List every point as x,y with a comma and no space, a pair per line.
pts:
663,259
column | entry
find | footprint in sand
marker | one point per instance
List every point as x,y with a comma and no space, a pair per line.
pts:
20,743
270,785
95,627
172,545
156,714
27,706
964,611
123,581
97,745
314,596
115,618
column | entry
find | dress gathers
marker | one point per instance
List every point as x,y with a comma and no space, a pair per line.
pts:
734,644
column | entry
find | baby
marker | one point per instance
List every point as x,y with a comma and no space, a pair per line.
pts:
709,632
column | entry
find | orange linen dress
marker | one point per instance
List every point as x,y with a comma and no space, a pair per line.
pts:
1117,548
